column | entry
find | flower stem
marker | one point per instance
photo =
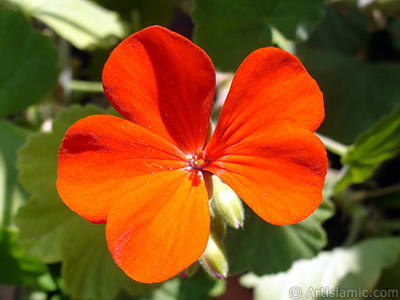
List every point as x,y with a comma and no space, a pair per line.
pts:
333,146
378,192
86,86
359,218
388,225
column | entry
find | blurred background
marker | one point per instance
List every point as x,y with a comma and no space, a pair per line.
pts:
52,53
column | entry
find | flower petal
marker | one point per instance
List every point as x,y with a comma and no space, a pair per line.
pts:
279,173
161,229
271,86
104,158
163,82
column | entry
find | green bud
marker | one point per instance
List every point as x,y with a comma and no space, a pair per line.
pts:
191,270
218,225
214,259
227,204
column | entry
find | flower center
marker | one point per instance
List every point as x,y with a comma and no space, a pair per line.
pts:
198,160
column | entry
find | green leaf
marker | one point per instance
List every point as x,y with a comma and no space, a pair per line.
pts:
89,271
16,267
198,287
370,150
395,27
51,231
85,24
357,268
230,30
385,6
12,196
168,291
342,33
264,248
28,63
390,280
357,92
149,12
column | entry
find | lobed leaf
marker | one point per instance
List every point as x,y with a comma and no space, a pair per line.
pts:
17,268
357,90
84,23
353,269
230,30
12,195
143,12
198,287
25,75
51,231
370,150
264,248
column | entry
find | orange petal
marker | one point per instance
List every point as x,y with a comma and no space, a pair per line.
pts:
161,229
163,82
279,173
271,86
104,158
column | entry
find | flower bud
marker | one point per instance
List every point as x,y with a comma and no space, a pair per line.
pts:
191,270
214,259
218,225
227,204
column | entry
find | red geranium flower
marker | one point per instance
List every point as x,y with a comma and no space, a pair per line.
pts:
149,177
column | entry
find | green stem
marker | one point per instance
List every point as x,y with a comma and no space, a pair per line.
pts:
359,218
333,146
389,225
8,203
378,192
86,86
64,61
345,3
